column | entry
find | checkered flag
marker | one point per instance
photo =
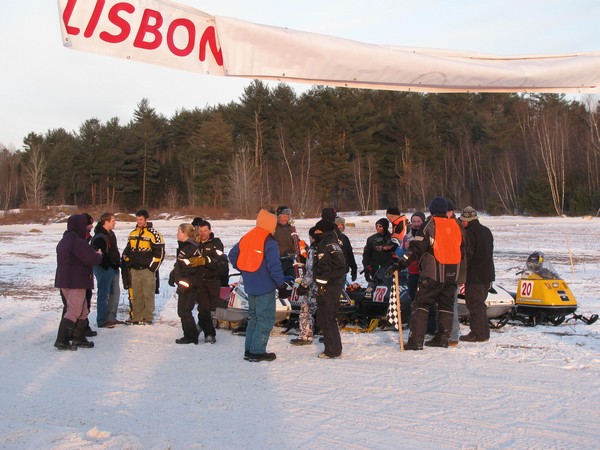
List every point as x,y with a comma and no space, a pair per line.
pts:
392,314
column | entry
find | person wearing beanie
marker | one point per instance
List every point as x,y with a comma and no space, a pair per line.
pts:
438,247
480,274
378,250
328,214
256,256
416,220
438,206
284,235
307,292
347,249
329,272
398,221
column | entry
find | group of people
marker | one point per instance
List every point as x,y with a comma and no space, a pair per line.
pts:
81,257
440,252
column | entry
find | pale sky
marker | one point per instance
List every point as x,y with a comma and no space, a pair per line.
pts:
45,86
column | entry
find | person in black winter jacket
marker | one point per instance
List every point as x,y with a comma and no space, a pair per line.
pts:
480,274
107,272
210,256
347,249
378,251
187,279
329,272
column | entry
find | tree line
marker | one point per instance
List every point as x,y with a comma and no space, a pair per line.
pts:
347,148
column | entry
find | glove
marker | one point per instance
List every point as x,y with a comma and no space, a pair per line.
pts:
171,283
282,291
321,289
353,274
396,267
301,289
197,261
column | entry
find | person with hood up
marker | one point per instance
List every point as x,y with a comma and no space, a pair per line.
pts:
75,260
256,256
329,271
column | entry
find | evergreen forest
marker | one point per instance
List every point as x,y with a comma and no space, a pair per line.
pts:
355,150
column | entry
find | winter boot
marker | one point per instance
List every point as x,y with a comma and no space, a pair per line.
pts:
88,330
65,332
79,339
437,341
418,325
444,321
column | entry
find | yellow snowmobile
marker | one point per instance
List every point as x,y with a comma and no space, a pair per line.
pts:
543,296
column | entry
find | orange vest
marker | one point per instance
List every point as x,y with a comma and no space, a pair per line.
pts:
252,249
399,236
448,238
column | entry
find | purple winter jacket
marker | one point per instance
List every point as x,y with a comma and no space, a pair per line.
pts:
75,257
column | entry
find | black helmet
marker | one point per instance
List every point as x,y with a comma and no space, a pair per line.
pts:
535,261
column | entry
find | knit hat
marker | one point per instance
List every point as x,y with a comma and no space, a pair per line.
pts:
438,205
451,206
393,210
325,225
197,221
328,214
420,214
468,214
384,223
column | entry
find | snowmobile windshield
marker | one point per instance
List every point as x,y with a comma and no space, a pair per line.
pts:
545,270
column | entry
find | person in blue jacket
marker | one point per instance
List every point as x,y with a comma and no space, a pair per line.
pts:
256,256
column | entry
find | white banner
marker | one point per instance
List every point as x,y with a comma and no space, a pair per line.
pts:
170,34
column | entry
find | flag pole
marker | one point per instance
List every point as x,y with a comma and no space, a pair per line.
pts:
397,286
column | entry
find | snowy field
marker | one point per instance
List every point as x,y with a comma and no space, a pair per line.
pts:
525,388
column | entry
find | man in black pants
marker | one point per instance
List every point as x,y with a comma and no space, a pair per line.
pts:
480,274
329,273
438,248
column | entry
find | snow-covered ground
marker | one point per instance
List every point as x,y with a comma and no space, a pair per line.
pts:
525,388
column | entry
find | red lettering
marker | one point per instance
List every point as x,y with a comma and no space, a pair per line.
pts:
122,24
146,28
191,30
73,31
91,27
210,36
